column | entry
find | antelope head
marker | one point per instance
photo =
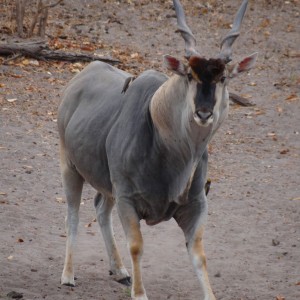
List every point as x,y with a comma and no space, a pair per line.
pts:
207,79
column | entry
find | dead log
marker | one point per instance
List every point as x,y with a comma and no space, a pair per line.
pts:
39,50
240,100
27,49
73,57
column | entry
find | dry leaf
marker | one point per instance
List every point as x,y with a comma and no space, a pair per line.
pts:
134,55
247,96
284,151
265,23
60,200
88,225
25,62
34,62
91,233
291,98
290,28
20,240
280,298
272,135
16,75
75,70
11,100
77,65
259,112
30,88
10,257
88,48
3,194
27,167
293,54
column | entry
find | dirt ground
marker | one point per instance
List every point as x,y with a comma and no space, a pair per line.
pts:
252,236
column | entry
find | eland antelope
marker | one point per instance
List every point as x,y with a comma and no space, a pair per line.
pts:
145,149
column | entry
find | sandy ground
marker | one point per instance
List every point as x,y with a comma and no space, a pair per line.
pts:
252,237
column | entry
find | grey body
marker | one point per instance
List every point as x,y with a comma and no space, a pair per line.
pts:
142,144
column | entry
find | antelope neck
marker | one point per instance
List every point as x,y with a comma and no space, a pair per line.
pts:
172,116
168,107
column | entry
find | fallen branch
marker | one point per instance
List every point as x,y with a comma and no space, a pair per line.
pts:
240,100
39,50
11,58
72,57
26,49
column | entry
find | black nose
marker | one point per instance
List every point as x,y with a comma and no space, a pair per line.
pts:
204,115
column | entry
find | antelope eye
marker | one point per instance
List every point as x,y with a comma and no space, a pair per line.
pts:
189,76
223,78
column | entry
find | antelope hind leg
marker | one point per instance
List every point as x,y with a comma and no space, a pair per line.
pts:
104,205
72,182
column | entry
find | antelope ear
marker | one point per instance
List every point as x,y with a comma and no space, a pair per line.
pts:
243,66
175,65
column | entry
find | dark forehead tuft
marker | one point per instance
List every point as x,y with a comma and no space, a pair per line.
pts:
207,69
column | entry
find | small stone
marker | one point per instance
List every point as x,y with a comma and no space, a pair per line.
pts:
14,295
218,274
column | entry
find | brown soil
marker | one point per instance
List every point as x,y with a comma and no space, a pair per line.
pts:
252,236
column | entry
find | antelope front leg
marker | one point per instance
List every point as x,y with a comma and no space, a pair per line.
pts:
191,219
196,252
131,226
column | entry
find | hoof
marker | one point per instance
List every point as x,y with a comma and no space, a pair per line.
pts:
68,281
121,276
126,281
68,284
